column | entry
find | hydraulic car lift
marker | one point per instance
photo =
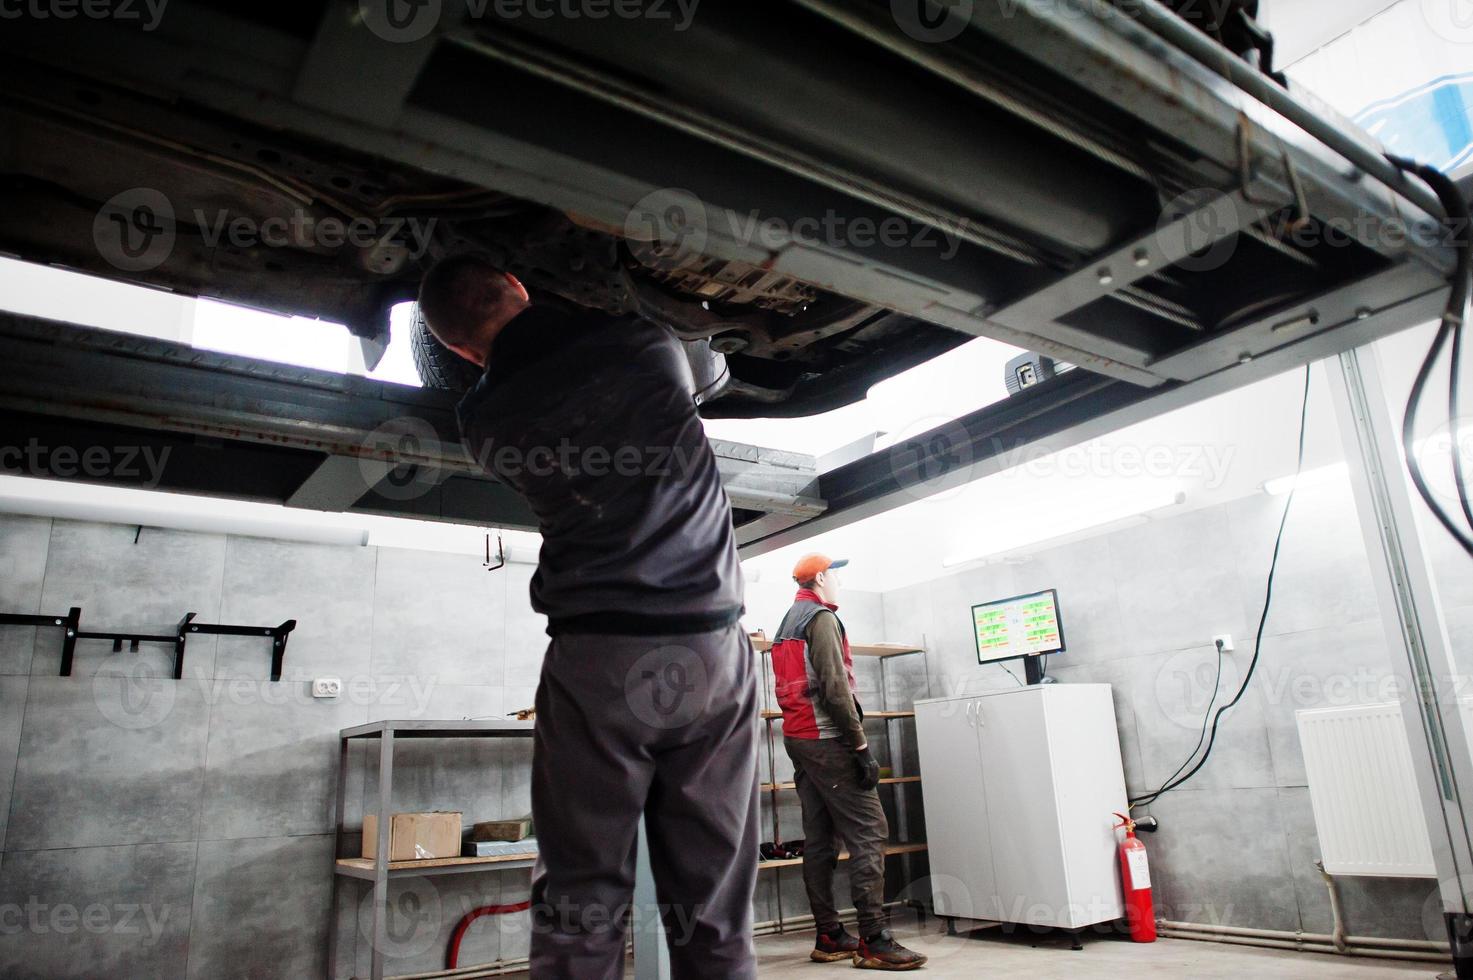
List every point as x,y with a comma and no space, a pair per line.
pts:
1083,157
1082,160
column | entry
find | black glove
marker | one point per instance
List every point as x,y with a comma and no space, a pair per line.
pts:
869,769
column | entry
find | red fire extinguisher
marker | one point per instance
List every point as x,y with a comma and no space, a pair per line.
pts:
1135,876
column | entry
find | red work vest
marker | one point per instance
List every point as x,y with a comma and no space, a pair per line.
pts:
792,665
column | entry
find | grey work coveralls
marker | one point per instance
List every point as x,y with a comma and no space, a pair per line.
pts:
647,702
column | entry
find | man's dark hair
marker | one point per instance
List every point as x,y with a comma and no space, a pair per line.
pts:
811,583
460,294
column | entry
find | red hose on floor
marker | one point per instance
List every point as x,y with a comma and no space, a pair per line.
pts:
452,955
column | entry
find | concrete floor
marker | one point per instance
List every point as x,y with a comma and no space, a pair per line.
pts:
988,953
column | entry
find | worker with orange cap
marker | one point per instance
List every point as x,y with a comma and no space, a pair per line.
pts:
835,771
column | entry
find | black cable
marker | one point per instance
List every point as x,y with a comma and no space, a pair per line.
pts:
1451,327
1206,720
1268,598
1454,387
1011,674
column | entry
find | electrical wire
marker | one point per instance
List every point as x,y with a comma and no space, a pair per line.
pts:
1454,386
1202,737
1451,327
1268,598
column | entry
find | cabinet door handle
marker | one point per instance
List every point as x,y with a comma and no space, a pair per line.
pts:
970,706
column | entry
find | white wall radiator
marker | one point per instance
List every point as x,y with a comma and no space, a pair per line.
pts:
1367,812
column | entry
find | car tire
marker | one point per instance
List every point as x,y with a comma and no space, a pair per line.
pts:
438,366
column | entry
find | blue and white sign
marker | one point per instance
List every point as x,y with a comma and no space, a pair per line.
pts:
1432,123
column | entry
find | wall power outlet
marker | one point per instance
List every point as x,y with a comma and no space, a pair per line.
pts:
327,687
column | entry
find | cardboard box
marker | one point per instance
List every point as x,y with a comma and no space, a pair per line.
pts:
512,830
415,836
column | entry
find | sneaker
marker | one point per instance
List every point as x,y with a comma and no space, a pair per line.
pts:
834,946
882,952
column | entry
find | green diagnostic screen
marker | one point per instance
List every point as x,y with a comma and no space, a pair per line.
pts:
1018,627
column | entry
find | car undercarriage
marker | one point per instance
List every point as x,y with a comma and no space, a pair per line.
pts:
814,195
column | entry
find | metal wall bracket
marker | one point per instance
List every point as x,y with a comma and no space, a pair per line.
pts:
278,636
71,623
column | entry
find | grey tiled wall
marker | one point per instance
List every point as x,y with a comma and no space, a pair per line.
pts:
164,829
1140,606
182,829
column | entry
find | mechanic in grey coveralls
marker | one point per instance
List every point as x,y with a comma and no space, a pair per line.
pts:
647,702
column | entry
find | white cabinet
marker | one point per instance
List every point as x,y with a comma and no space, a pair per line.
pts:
1020,790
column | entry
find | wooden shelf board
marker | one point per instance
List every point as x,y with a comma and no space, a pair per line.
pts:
367,864
887,781
773,715
763,644
890,849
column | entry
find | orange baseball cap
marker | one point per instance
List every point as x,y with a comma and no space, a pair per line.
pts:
810,565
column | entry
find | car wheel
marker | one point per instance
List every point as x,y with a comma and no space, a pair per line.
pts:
438,365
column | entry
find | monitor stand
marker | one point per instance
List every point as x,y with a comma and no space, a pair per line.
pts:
1033,670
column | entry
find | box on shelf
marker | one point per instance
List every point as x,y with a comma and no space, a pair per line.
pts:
509,830
415,836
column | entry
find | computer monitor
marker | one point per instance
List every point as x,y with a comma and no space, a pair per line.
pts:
1022,626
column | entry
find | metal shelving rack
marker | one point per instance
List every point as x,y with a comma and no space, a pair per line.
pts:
380,871
770,716
651,959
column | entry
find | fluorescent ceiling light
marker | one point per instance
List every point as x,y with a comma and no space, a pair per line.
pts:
1309,478
151,508
1011,533
1432,451
211,515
